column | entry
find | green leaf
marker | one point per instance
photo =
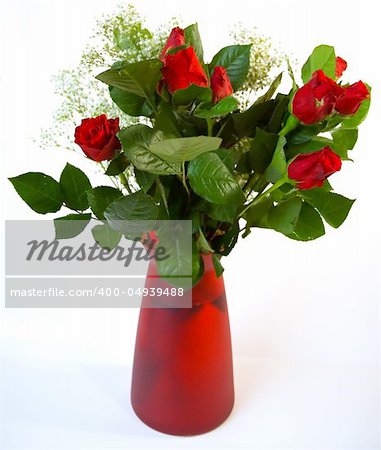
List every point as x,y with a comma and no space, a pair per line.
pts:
278,115
101,197
256,215
145,179
243,164
39,191
172,124
258,115
105,236
211,110
217,265
212,180
140,78
278,166
174,50
271,90
343,140
323,57
326,186
236,60
184,149
71,225
136,206
284,216
283,192
203,243
178,245
166,121
333,207
117,165
317,144
195,217
183,97
309,225
197,264
345,137
262,150
228,157
311,146
296,219
222,213
332,122
193,38
131,104
136,140
304,133
74,184
360,115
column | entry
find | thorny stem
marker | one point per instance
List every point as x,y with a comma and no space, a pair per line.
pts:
273,188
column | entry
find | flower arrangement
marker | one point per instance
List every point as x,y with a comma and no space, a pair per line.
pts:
183,159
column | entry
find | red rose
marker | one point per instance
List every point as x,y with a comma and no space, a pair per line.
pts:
175,39
97,137
349,102
151,236
314,101
310,170
341,66
183,69
220,84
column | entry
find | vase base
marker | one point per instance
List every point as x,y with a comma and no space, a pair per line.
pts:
176,431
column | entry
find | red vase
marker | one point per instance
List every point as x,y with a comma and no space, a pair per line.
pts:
182,380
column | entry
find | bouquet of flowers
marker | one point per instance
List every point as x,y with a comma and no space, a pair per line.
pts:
195,155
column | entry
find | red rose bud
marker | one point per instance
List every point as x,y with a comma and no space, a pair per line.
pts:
350,101
97,137
310,170
183,69
151,236
150,241
314,101
341,66
220,84
175,39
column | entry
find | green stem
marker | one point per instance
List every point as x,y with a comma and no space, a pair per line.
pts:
209,123
111,178
251,182
184,180
124,182
291,123
259,197
248,181
221,129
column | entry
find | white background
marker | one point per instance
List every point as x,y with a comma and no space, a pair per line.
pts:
304,316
